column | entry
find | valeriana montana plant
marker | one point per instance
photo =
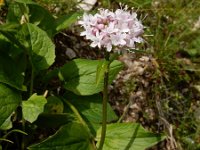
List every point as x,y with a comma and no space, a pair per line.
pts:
111,30
27,51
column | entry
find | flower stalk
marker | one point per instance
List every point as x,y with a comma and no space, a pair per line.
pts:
105,100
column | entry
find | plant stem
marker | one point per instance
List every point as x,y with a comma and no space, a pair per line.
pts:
23,120
23,136
104,107
31,84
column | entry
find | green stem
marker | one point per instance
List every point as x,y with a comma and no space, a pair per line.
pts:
23,136
23,120
105,100
31,84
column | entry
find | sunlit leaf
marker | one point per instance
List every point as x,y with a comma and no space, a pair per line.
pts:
79,76
33,107
128,136
39,46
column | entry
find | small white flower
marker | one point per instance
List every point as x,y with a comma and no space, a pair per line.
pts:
109,29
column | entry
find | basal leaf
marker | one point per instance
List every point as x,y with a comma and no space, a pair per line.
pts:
54,105
91,109
9,73
10,99
42,18
39,46
7,124
128,136
14,13
33,107
9,30
47,120
37,15
80,76
72,136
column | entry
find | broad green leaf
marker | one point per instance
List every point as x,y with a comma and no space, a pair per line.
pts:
50,75
128,136
10,99
7,124
39,46
66,21
14,52
14,13
7,47
54,105
47,120
38,15
80,75
72,136
9,73
33,107
9,27
90,108
9,31
42,18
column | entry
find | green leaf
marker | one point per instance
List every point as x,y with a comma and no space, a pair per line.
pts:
9,73
37,14
14,52
14,14
46,120
38,45
50,75
9,31
128,136
66,21
90,108
72,136
7,124
9,27
42,18
10,99
54,105
80,75
33,107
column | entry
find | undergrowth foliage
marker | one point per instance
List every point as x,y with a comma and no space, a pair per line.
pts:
48,106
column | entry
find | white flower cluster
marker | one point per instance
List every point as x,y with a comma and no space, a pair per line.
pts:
109,29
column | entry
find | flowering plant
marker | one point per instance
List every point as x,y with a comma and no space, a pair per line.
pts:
26,53
109,29
112,31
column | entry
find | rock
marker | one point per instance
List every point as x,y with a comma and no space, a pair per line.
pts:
70,53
